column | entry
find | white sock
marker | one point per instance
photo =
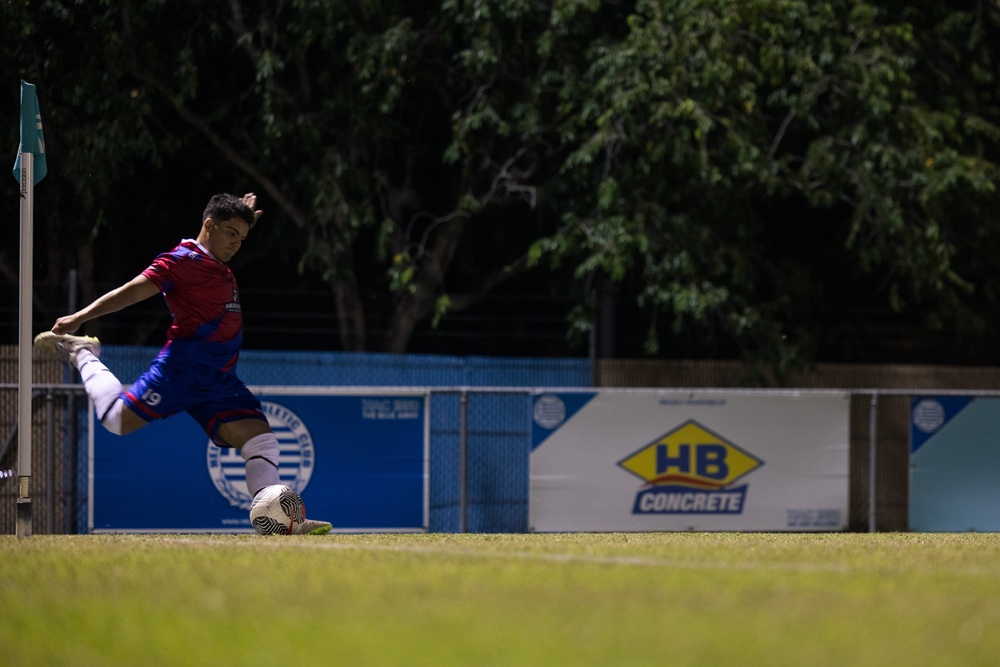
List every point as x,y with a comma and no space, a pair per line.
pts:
261,454
102,386
112,419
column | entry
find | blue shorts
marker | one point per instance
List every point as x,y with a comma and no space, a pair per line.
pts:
212,397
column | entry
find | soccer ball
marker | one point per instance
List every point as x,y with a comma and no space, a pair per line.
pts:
275,509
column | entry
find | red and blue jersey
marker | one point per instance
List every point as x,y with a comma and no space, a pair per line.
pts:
201,292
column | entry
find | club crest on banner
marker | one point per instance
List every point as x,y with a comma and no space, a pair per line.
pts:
549,411
296,458
690,470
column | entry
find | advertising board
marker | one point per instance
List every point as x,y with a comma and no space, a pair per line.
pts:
670,461
359,460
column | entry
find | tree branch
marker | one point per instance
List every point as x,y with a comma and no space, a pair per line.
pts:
228,150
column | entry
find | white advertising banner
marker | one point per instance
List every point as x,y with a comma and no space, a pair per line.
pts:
671,461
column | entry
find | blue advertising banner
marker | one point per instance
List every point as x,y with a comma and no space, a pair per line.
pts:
954,464
359,461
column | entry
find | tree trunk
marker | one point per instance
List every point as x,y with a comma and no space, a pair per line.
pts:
411,308
350,313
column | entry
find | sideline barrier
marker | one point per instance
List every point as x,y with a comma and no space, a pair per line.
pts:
675,460
382,458
359,458
496,435
954,463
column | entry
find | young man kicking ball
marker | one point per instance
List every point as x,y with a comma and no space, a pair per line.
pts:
195,371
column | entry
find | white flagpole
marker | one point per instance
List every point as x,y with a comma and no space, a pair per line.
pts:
24,365
26,168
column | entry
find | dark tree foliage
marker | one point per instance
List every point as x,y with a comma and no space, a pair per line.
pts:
768,180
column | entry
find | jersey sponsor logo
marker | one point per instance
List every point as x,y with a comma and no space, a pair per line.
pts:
234,305
690,470
296,457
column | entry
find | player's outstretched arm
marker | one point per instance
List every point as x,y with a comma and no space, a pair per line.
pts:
134,291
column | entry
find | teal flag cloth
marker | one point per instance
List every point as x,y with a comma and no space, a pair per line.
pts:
31,133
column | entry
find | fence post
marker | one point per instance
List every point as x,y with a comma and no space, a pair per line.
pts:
872,449
50,463
463,457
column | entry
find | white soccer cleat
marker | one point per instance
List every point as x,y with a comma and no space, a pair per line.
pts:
279,510
311,527
66,346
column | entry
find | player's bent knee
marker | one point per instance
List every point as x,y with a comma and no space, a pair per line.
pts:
112,419
238,433
131,422
121,421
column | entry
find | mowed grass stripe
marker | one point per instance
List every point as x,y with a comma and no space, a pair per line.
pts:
541,599
565,548
325,543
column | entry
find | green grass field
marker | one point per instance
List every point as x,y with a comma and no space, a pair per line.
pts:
562,599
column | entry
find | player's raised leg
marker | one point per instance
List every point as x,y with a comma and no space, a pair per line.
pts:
65,346
104,389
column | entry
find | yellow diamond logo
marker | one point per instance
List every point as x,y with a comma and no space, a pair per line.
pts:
691,456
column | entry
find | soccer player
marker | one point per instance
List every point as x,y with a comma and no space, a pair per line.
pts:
195,372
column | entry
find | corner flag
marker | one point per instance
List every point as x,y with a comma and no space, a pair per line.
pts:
31,133
29,169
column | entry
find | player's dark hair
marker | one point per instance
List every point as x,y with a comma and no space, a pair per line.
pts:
226,207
